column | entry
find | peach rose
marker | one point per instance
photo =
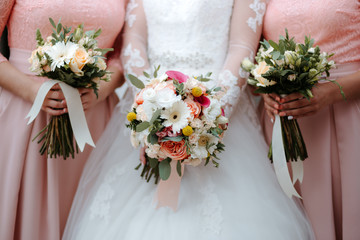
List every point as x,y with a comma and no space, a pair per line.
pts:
174,150
262,68
79,60
195,107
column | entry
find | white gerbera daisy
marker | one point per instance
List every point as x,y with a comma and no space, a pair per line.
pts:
205,145
61,53
176,116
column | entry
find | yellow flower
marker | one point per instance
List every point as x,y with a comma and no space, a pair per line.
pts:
131,116
187,131
196,92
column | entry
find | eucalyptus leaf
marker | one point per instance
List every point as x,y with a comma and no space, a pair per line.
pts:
135,81
153,162
153,138
174,139
155,116
178,168
142,126
165,169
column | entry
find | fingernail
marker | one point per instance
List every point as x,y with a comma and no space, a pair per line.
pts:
290,117
271,120
277,99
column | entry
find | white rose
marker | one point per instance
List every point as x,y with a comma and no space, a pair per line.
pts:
166,98
222,120
149,94
213,111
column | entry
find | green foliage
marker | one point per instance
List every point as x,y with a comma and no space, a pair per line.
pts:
135,81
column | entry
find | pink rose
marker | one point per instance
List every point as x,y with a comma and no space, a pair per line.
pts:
167,132
175,75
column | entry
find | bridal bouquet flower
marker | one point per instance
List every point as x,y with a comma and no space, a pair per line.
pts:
176,118
73,60
284,68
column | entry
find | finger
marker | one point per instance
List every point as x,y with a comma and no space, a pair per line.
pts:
269,100
300,103
56,87
84,90
275,96
271,115
305,115
291,97
270,108
298,112
54,103
54,112
55,94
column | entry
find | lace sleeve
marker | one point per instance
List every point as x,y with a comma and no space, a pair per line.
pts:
134,52
5,10
245,32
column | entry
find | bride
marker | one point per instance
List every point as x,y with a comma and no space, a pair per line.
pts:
239,200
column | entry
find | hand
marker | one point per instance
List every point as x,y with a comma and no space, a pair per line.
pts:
54,102
296,105
271,104
88,98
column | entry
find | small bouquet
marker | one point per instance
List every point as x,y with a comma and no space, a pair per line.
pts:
284,68
74,61
176,118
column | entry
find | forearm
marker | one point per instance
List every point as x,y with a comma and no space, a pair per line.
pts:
17,82
350,85
106,88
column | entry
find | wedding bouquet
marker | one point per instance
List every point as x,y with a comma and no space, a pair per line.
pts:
176,118
74,61
287,67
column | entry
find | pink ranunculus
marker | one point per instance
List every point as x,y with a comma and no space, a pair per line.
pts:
167,132
174,150
203,100
175,75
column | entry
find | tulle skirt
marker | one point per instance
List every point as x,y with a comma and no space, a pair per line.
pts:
239,200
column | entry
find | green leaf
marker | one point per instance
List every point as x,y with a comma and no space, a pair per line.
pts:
52,22
174,139
153,138
58,28
178,168
275,55
155,116
153,162
217,89
146,75
142,126
135,81
165,169
274,45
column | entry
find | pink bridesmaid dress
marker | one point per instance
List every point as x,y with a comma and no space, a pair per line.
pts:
36,192
331,186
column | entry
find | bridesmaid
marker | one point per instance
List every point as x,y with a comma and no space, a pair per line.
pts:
36,192
330,125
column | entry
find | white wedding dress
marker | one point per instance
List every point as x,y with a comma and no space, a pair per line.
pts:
239,200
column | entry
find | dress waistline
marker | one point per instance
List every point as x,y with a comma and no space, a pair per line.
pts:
19,58
343,69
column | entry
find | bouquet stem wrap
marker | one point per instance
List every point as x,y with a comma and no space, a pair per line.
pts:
75,109
279,158
167,193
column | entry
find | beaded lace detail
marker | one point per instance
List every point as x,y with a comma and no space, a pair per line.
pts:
100,208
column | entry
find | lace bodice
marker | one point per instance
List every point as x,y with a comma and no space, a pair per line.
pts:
334,24
23,17
195,37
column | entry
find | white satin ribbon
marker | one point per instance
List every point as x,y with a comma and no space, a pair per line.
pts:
280,165
75,109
